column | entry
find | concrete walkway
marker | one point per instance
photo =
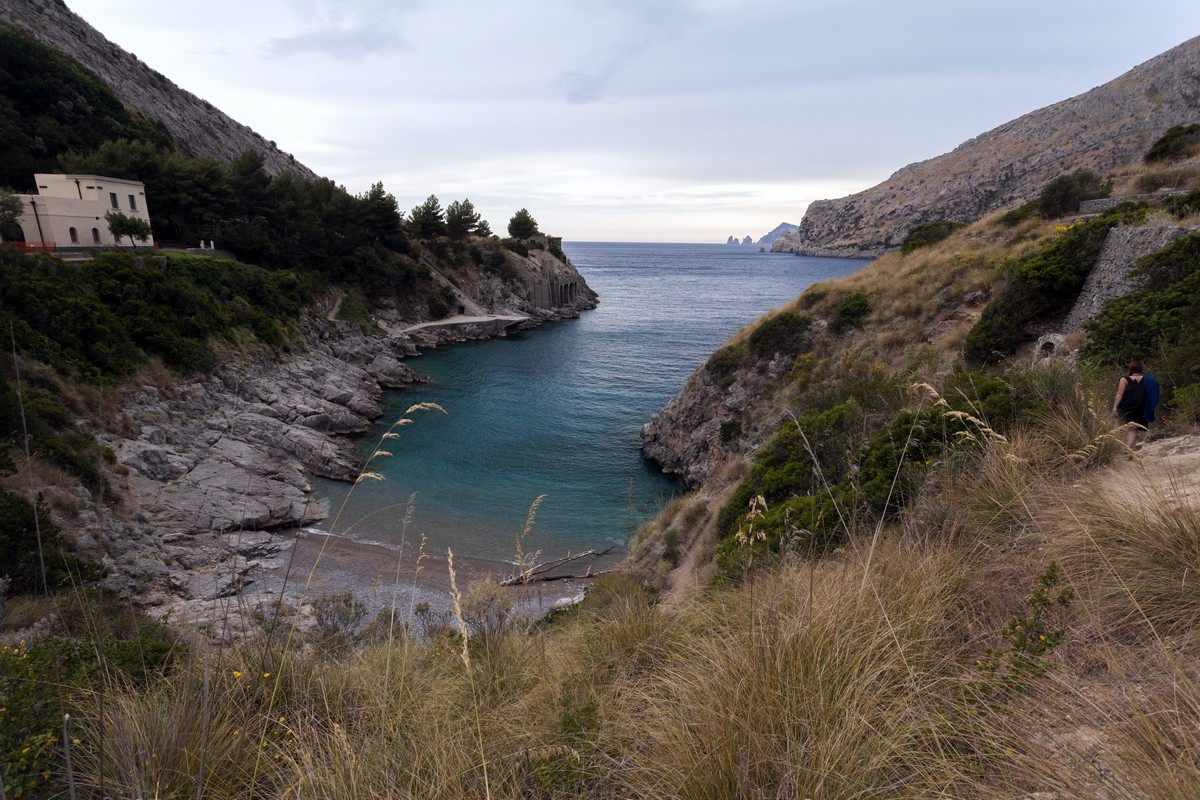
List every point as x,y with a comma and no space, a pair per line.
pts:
493,322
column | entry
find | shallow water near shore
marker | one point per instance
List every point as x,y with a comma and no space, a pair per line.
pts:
557,411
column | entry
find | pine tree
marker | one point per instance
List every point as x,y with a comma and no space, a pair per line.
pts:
522,225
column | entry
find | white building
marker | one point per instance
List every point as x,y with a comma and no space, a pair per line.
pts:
68,211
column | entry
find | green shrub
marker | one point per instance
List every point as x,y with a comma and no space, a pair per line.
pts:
437,306
929,233
786,332
1163,317
1043,285
722,364
731,429
1183,205
671,546
1016,216
824,472
21,527
1186,400
41,678
850,312
354,310
517,247
1153,181
1178,142
1063,195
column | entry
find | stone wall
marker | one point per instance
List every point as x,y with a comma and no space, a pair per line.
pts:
1111,277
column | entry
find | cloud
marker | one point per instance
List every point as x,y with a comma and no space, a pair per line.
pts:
346,31
585,87
637,26
344,44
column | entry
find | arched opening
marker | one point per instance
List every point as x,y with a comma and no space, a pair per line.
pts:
74,235
95,236
11,232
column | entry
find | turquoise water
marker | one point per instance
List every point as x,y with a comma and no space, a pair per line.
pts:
556,411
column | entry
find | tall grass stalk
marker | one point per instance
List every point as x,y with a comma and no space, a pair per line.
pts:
466,659
526,566
364,474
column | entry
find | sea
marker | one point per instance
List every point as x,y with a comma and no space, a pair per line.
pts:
540,435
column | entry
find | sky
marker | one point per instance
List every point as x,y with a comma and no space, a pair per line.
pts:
633,120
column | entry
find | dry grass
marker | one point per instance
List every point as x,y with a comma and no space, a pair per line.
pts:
1135,556
841,678
813,682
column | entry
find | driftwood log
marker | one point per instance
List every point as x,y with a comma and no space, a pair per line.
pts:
537,573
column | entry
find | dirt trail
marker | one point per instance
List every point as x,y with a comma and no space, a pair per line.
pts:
1170,466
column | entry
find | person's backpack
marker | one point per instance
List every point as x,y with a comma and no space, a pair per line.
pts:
1134,398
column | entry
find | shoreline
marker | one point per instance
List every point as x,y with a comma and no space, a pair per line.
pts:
319,564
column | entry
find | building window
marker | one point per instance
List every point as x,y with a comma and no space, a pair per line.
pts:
112,198
95,236
74,236
132,203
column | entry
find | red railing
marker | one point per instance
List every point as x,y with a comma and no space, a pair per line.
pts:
33,247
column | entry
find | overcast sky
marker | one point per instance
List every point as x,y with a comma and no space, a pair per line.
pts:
633,120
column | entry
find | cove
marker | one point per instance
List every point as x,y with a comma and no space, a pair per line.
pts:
557,411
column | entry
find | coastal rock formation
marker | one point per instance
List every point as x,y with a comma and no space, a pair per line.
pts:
685,437
1109,126
196,125
210,471
234,453
776,232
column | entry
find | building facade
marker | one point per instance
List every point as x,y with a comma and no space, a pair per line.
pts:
68,211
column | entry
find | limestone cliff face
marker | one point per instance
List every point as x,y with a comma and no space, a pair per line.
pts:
1107,127
685,436
197,127
540,285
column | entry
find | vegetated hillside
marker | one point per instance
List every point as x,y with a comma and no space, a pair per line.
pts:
929,582
867,424
1103,129
196,126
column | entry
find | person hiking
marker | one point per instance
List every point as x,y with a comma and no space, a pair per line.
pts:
1134,404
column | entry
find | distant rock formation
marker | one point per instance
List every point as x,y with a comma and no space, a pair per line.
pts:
731,240
197,127
779,230
747,240
1107,127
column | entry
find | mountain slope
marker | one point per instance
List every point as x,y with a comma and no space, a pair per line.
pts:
196,125
1109,126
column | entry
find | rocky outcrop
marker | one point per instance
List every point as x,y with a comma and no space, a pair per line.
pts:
235,453
195,124
685,437
1109,126
211,472
776,232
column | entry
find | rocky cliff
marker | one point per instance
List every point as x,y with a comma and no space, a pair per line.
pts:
1107,127
779,230
211,472
197,127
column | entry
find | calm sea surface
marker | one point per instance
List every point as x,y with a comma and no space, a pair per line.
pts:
556,411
